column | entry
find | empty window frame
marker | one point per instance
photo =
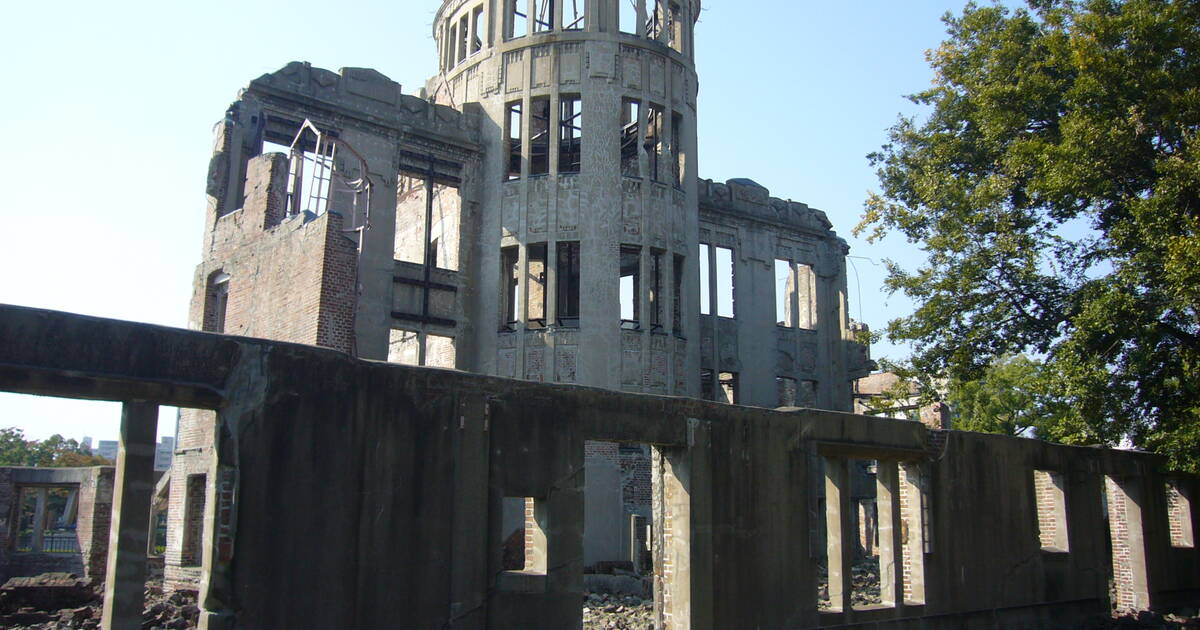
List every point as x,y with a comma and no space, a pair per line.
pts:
216,302
193,520
784,293
463,35
1051,510
440,351
570,134
525,548
653,143
675,26
655,286
567,272
677,295
725,283
654,18
631,257
786,389
452,47
631,115
1179,515
543,16
536,282
515,121
509,282
574,15
728,382
478,29
679,157
516,20
628,19
705,288
539,136
707,392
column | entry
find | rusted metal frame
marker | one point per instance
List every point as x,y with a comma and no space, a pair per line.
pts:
413,282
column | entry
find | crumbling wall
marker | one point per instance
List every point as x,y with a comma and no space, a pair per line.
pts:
94,487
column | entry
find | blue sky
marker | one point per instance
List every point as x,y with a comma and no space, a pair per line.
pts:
109,108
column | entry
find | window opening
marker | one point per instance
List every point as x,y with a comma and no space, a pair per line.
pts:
217,302
675,27
463,36
654,142
707,392
543,17
536,293
705,289
404,347
677,293
1179,515
725,289
515,128
785,287
440,351
477,30
574,15
525,522
631,114
510,281
452,47
567,273
656,299
311,176
654,19
518,20
630,285
193,523
679,163
786,388
46,520
539,137
570,134
628,17
914,535
1051,510
729,386
865,526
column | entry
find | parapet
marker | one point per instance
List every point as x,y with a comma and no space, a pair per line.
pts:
745,197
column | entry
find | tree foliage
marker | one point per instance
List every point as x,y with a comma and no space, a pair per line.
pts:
55,451
1055,188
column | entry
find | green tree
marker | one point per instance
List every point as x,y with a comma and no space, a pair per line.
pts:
14,449
55,451
1055,189
1012,396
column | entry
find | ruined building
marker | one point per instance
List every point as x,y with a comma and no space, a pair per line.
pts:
537,216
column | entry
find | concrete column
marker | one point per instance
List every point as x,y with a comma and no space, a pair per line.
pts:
839,532
39,521
126,576
914,547
891,562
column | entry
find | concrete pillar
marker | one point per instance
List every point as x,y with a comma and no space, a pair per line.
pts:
891,561
126,576
39,521
839,532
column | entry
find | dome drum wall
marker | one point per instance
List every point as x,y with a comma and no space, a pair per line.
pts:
590,144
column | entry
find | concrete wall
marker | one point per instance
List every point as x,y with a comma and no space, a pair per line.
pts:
410,468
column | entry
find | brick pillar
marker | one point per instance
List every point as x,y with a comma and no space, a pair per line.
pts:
126,574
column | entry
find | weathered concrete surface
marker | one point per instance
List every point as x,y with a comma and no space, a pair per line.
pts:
386,484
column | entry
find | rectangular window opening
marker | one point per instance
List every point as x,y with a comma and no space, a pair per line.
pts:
915,529
478,28
509,280
677,294
631,258
536,281
1051,511
679,163
655,295
524,524
463,36
866,582
452,47
539,136
404,347
543,17
570,134
567,273
515,121
725,283
705,289
653,144
786,389
517,21
574,15
1179,515
440,351
654,19
193,520
785,293
675,27
46,519
631,115
728,382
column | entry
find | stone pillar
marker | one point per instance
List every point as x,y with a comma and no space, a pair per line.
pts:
839,532
126,574
39,521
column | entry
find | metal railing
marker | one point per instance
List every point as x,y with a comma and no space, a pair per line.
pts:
55,541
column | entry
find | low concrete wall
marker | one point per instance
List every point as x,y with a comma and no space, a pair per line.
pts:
355,494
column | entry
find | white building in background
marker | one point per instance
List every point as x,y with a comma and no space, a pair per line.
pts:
107,449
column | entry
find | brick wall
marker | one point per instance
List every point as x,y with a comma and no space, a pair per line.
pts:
95,519
193,457
1047,488
1179,516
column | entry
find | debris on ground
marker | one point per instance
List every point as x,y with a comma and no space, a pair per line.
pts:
62,601
614,612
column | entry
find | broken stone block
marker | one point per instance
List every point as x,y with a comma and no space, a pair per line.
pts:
46,592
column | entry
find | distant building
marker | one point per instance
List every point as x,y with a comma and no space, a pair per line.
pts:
887,395
86,444
107,449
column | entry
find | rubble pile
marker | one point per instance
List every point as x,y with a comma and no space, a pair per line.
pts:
614,612
62,601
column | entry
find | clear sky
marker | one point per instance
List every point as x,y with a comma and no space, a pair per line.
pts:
108,111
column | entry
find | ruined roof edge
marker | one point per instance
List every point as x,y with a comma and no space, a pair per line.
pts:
744,197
